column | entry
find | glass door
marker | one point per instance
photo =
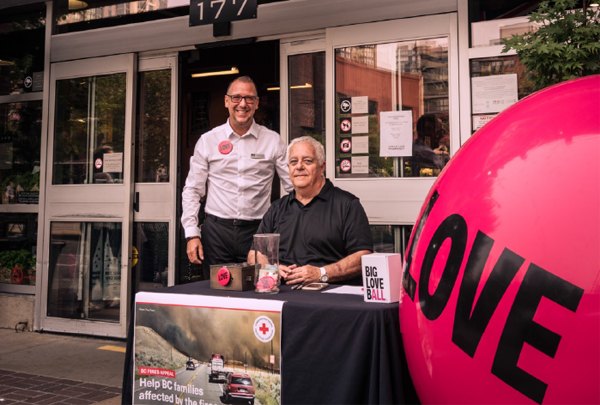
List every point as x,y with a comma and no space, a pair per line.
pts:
153,258
89,196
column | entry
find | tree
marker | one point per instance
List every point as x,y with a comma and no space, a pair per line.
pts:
566,45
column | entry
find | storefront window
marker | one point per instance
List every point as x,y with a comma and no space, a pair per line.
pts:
22,52
391,109
84,271
150,257
154,127
89,130
20,128
18,249
307,95
390,238
496,83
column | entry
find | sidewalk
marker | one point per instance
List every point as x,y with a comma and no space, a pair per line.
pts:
48,368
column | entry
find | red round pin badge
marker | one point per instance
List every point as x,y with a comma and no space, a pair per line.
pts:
223,276
225,147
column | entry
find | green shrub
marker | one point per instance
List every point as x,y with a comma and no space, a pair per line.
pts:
566,45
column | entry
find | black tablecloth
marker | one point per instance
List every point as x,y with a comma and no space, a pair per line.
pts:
335,348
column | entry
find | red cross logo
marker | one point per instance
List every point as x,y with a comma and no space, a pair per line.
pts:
264,328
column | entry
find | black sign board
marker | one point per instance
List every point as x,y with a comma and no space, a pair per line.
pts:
204,12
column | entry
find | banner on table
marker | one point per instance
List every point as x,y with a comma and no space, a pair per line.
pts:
201,350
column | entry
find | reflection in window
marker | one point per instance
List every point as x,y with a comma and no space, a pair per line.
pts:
186,271
153,127
89,130
408,76
20,135
150,256
79,15
493,20
22,52
307,95
390,238
84,272
18,248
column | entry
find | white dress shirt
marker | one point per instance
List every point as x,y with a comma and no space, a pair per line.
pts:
237,184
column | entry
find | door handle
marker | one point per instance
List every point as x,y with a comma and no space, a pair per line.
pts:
136,202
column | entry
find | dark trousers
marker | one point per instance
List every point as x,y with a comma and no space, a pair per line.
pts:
226,242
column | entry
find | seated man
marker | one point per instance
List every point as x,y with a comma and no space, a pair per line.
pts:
324,229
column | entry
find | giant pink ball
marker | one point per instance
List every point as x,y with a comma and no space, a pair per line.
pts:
501,285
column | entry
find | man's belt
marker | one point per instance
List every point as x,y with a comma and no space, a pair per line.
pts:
234,222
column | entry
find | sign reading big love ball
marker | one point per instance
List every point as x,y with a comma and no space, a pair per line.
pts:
501,285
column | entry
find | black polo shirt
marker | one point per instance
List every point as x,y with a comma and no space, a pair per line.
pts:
330,227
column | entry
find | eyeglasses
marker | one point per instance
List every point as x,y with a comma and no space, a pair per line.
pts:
236,98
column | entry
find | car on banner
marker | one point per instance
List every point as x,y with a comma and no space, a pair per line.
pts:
239,387
192,364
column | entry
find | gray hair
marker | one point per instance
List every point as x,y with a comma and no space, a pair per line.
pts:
317,146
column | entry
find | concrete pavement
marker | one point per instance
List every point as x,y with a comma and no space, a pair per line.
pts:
49,368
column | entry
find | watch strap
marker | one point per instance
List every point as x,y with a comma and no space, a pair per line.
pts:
324,277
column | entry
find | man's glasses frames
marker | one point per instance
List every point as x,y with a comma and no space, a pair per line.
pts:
236,98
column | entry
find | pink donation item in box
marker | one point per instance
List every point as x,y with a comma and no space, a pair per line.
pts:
382,274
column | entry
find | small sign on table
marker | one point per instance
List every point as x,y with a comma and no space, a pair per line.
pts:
382,273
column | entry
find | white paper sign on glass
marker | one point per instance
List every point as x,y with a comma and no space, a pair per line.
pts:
360,164
360,144
360,105
396,133
480,120
360,125
492,94
113,163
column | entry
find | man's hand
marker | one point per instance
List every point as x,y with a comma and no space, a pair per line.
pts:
194,251
301,275
285,271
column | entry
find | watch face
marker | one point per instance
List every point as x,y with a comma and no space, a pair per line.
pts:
324,278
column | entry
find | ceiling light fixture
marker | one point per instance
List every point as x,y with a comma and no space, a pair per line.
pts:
77,5
232,71
300,86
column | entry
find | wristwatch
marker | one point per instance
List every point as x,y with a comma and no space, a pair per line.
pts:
324,277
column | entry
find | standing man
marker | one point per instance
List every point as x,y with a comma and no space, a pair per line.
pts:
233,166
